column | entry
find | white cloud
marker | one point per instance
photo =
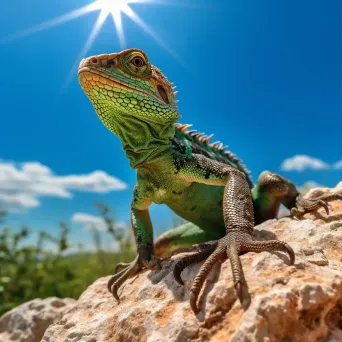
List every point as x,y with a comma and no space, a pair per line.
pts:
92,221
302,162
307,186
89,221
338,165
21,185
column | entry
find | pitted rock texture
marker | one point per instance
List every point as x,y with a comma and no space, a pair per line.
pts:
28,322
289,303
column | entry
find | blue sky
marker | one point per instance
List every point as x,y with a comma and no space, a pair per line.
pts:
264,76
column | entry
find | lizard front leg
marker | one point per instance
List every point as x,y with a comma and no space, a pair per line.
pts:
143,233
239,221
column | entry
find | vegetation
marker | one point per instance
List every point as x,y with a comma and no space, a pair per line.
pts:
35,271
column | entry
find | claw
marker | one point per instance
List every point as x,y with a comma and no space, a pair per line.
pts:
113,279
130,269
110,283
243,295
239,290
290,252
324,205
193,302
177,274
115,293
120,279
304,206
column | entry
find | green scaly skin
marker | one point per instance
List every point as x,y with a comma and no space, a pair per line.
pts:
201,182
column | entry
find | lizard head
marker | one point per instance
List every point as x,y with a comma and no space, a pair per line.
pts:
125,89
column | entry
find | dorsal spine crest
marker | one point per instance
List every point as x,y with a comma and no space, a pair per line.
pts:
217,147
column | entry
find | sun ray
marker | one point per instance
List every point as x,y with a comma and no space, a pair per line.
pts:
127,10
51,23
119,29
114,8
92,36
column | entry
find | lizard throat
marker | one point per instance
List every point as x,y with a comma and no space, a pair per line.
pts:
144,141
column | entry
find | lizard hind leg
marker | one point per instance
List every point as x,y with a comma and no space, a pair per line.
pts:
304,205
273,190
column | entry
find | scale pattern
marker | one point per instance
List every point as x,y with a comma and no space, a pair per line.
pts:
186,141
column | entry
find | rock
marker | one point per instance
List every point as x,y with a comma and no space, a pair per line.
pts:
28,322
321,191
289,303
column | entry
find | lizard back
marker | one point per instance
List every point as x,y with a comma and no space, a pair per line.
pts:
190,141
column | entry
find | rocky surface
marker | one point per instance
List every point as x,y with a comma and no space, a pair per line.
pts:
289,303
28,322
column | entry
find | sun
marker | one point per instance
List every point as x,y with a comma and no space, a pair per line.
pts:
106,8
113,7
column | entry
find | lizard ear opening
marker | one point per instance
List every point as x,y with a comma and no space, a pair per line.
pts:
163,94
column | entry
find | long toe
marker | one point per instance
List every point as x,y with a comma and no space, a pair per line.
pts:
200,278
270,246
191,259
122,265
324,205
243,294
119,278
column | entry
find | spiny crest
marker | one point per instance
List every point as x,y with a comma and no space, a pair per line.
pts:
216,146
175,92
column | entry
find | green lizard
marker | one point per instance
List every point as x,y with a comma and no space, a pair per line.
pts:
201,182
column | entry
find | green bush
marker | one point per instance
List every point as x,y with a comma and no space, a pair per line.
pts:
28,272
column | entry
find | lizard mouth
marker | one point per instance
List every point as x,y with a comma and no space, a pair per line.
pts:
105,79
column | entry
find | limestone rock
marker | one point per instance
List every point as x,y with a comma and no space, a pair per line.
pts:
289,303
321,191
28,322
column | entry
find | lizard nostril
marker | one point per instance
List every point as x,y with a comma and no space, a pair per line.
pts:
94,60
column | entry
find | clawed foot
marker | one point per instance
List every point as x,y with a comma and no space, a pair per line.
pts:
142,261
228,247
304,206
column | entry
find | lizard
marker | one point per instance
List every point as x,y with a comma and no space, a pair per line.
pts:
202,182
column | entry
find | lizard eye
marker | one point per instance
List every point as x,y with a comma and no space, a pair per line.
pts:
138,62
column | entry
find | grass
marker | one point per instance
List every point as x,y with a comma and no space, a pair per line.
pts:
31,271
